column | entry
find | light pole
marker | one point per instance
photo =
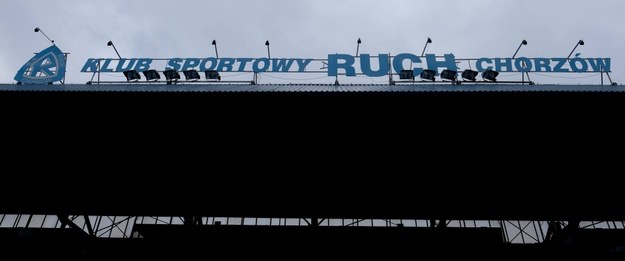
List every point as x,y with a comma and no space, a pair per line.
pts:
216,53
429,41
517,50
524,42
581,42
38,30
110,43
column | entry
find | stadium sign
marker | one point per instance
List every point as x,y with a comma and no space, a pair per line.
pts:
365,64
49,65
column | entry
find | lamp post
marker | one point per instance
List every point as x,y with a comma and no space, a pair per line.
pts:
110,43
38,30
255,81
216,52
429,41
581,42
517,50
358,47
524,42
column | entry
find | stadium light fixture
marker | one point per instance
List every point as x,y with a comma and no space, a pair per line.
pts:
216,52
132,76
171,76
449,75
152,75
428,75
38,30
490,75
212,75
524,42
406,75
192,75
581,42
429,41
469,75
110,43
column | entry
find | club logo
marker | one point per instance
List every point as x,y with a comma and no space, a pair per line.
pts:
46,67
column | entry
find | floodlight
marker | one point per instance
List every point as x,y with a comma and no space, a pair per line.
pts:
216,52
449,75
110,43
192,75
490,75
132,76
429,41
171,75
406,75
37,30
524,42
581,42
212,75
428,75
152,75
469,75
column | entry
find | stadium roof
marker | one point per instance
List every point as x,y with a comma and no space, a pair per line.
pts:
313,88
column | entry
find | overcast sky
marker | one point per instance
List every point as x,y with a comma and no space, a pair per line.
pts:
311,28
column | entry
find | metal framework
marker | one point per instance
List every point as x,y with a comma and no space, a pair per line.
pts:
514,231
96,77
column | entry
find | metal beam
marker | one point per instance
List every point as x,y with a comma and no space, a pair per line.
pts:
66,222
192,220
89,226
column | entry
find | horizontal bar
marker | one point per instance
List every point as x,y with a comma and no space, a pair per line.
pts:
358,74
313,59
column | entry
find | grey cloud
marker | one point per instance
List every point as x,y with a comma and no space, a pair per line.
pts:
303,28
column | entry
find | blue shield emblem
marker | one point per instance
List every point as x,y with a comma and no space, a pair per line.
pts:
46,67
